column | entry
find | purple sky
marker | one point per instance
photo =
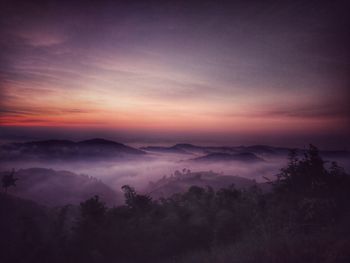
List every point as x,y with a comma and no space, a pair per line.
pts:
237,72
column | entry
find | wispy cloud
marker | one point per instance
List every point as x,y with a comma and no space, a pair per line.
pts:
321,111
42,39
199,70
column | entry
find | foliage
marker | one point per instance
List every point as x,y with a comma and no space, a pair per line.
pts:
9,180
304,219
309,176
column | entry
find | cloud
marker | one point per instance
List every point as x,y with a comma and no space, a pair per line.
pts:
24,113
75,111
206,67
20,120
317,108
42,39
326,110
15,113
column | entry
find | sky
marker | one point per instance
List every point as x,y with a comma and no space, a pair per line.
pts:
234,72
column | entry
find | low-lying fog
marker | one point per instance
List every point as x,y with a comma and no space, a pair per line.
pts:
139,172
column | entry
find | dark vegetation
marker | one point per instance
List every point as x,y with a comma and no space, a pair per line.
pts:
8,180
250,152
181,181
66,150
227,157
101,149
305,218
56,188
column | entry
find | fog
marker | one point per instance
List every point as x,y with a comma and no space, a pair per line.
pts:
139,172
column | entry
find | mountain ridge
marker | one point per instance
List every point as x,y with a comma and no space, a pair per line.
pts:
66,149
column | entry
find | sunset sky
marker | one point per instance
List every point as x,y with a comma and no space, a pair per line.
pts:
238,71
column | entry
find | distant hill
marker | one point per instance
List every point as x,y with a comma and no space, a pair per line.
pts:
173,149
190,148
55,188
101,149
181,181
260,151
184,148
67,150
204,150
226,157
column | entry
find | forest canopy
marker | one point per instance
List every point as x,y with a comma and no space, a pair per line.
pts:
304,218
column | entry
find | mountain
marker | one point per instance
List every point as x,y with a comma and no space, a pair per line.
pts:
264,149
184,148
226,157
54,188
258,150
67,150
102,145
195,149
159,149
190,148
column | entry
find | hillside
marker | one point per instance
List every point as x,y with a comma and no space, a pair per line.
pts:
259,150
67,150
55,188
226,157
159,149
182,181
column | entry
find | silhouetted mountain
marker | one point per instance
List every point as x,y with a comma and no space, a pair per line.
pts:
102,145
229,153
226,157
48,143
205,149
158,149
195,149
264,149
67,150
190,148
52,188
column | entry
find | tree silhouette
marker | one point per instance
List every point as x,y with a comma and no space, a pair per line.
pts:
307,175
93,209
134,200
9,180
308,207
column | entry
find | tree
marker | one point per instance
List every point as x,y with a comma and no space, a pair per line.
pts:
307,175
134,200
9,180
93,209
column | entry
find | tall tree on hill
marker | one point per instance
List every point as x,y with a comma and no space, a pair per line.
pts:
8,180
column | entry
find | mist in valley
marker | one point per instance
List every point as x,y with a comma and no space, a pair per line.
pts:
141,171
154,170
